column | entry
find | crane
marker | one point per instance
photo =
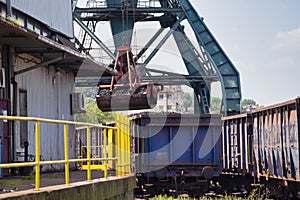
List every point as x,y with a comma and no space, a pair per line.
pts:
205,62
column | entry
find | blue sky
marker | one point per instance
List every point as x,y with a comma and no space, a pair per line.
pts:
262,39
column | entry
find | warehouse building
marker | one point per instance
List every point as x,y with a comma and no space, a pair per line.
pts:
38,66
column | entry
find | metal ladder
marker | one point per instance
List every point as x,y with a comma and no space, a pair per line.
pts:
195,66
85,39
204,100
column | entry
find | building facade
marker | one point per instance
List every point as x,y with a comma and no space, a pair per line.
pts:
170,99
38,66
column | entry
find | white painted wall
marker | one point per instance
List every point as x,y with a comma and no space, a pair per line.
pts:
48,92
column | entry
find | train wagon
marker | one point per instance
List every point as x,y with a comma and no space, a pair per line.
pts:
265,145
177,152
237,144
237,148
276,145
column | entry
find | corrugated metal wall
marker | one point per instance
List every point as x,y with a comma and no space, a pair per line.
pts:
57,14
48,96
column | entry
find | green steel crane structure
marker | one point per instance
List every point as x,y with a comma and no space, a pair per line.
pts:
205,61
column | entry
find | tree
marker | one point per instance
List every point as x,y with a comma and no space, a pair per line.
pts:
215,104
93,114
248,104
187,100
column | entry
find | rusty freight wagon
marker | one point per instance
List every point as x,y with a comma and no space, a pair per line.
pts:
265,145
276,144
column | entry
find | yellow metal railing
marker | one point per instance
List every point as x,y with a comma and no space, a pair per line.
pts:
120,146
123,143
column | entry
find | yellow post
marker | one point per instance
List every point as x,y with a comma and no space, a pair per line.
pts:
37,155
125,144
115,149
118,150
110,147
121,142
88,153
66,146
128,145
104,152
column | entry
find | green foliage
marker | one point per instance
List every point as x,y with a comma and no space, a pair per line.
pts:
248,102
31,176
165,197
259,193
187,100
224,198
215,104
11,182
92,115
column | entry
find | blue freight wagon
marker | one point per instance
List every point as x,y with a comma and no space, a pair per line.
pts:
177,152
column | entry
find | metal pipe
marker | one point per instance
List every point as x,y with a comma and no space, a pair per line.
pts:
66,146
8,66
8,8
14,113
37,155
53,121
22,164
26,144
39,65
88,153
128,145
105,151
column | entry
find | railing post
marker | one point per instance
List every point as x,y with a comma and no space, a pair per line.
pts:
128,145
37,155
88,153
66,146
117,146
121,142
104,151
110,147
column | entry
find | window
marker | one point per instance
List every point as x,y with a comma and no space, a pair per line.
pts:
161,96
169,107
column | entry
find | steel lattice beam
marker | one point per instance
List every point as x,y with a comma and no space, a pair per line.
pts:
205,60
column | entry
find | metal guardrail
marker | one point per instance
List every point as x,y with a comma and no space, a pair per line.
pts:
122,157
129,3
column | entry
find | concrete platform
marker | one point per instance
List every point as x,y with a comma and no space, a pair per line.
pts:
53,187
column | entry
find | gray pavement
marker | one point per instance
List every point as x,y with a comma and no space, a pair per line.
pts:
19,183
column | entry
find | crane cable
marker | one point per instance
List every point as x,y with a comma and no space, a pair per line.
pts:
125,24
